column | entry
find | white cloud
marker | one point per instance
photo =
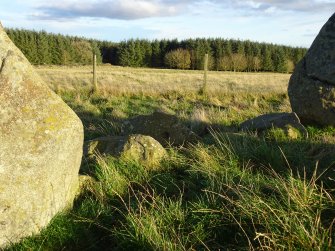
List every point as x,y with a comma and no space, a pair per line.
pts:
292,22
113,9
290,5
138,9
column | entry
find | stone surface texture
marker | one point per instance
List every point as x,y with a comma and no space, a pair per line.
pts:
283,121
312,85
139,148
40,150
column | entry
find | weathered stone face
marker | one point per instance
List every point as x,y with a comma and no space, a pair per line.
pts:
320,59
312,85
285,121
40,150
140,148
267,122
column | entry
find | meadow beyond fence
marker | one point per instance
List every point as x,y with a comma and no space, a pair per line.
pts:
126,80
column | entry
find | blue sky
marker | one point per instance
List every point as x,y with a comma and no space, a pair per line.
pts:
288,22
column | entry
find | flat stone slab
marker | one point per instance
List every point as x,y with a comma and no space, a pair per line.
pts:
274,120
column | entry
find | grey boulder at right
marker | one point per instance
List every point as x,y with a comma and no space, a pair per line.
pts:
311,88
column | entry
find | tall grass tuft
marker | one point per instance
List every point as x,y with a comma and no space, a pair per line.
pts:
230,191
273,212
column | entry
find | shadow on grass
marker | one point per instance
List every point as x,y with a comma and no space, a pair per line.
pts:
300,158
103,217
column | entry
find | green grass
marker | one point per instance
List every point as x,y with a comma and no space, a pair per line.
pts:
231,191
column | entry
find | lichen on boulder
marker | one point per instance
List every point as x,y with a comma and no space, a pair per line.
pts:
139,148
40,151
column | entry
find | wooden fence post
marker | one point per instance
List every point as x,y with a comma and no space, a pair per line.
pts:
204,87
95,82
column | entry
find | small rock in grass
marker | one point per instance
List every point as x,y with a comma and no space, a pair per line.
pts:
139,148
289,123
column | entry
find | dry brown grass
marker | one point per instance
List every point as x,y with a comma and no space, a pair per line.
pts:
125,80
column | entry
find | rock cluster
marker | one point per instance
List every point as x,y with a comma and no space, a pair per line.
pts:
143,139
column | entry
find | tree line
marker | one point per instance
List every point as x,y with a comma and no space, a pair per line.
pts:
42,48
224,54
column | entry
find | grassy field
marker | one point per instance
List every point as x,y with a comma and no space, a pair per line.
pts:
122,80
229,191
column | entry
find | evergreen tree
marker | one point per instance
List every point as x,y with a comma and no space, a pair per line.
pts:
267,64
145,47
57,50
96,50
279,60
201,47
298,54
248,48
228,48
43,52
218,52
46,48
156,59
130,53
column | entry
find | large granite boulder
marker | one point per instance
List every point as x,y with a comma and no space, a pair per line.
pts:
164,127
312,85
139,148
40,150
